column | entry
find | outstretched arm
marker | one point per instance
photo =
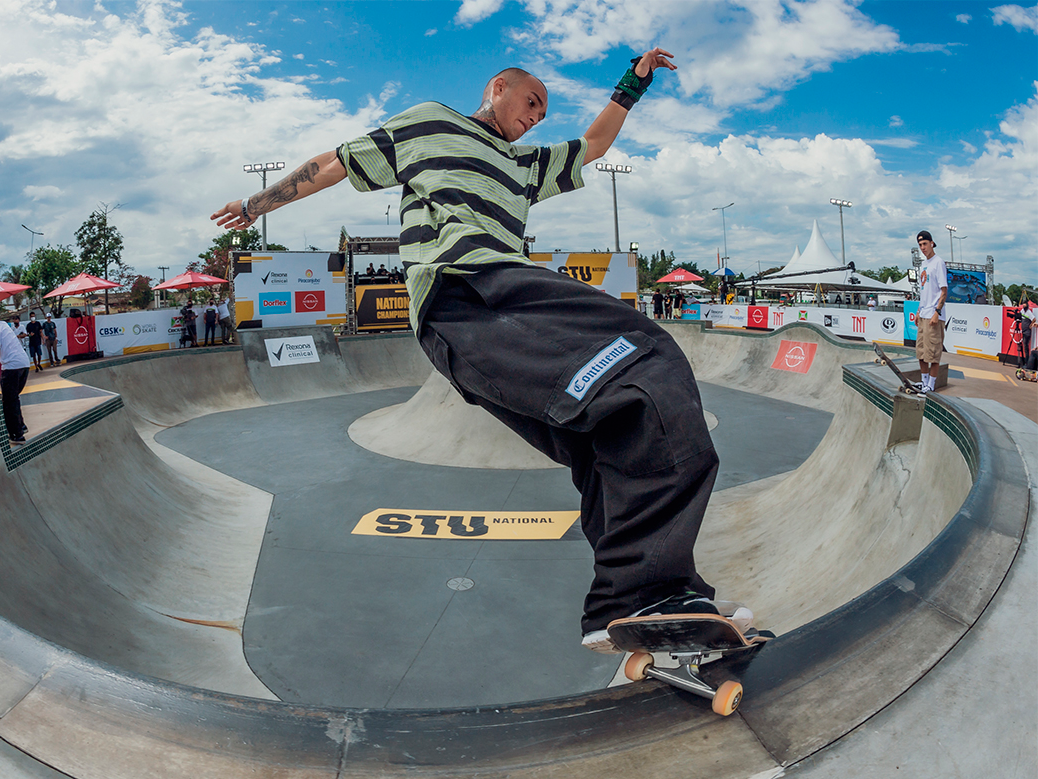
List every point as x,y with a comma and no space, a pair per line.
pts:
603,131
312,176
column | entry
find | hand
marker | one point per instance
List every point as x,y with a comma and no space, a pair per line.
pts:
935,319
657,58
230,217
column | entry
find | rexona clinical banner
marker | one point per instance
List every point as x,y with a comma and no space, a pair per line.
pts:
282,289
615,274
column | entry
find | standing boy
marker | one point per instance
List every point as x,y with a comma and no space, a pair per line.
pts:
933,291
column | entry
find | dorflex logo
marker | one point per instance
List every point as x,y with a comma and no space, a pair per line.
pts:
108,332
275,303
310,301
274,279
309,278
596,368
291,351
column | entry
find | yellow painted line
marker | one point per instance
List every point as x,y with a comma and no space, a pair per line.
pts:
976,373
49,385
967,352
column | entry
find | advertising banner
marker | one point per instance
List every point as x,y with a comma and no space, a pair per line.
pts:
80,335
886,327
297,350
142,331
757,318
911,313
794,356
456,525
973,330
615,274
691,310
281,289
382,307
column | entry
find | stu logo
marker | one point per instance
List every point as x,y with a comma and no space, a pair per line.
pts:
396,524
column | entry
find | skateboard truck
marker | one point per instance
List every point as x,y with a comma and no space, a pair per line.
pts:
725,699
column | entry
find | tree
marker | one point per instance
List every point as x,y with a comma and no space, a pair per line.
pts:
140,292
101,245
48,268
887,274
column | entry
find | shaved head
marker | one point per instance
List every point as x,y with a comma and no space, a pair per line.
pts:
512,77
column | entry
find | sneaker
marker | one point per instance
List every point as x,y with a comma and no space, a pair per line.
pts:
924,389
599,641
18,441
682,603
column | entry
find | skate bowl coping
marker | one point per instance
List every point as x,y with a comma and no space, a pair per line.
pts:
829,671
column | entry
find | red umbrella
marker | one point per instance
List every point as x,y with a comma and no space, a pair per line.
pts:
6,290
190,280
82,283
679,276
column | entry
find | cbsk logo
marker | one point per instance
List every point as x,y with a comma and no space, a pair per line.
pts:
598,365
104,332
275,303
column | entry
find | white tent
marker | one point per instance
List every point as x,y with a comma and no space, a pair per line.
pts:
812,266
693,287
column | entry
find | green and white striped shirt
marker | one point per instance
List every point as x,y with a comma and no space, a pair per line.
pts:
467,191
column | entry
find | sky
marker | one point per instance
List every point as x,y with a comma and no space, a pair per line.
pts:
921,113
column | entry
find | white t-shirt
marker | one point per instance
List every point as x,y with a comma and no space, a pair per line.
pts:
223,311
12,354
932,277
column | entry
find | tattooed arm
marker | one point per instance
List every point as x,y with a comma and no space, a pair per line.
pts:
312,176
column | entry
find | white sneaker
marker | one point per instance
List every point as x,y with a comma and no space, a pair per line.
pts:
599,641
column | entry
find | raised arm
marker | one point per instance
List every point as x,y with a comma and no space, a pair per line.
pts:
603,131
312,176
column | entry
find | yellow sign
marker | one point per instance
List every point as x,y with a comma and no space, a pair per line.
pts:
477,525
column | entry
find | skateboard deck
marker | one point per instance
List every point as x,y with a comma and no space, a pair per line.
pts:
692,640
1025,375
907,386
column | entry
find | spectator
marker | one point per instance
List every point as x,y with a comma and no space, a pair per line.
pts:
35,332
14,371
209,317
50,340
657,304
187,318
872,304
226,325
371,269
20,332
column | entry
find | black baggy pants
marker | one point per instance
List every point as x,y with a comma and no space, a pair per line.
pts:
12,382
600,388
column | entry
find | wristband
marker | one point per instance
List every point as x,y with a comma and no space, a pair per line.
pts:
245,209
631,87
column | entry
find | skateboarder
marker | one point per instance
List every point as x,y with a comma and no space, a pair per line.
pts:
582,376
933,291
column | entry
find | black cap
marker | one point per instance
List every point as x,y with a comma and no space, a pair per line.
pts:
924,234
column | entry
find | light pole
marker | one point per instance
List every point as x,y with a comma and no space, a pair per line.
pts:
841,204
387,212
724,231
262,168
162,292
962,257
951,234
612,170
31,238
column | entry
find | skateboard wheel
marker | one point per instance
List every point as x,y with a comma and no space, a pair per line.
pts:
727,698
636,665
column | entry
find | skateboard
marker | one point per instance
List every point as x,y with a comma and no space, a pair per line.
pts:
1025,375
691,639
906,386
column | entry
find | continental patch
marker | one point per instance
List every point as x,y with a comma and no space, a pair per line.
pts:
460,525
597,367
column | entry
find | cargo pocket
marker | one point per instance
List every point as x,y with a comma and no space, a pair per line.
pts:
469,382
592,370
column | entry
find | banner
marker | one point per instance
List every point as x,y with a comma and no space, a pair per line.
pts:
973,330
614,274
459,525
691,310
382,307
911,313
757,318
143,331
794,356
282,289
297,350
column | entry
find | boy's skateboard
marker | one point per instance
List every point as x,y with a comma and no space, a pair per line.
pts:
906,386
692,640
1025,375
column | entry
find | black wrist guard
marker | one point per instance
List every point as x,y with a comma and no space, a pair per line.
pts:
631,87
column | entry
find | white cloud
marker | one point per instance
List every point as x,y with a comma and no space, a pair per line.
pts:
431,32
963,18
1021,18
473,11
42,193
897,121
732,53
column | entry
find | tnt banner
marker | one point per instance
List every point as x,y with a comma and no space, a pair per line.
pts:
383,307
283,289
794,356
297,350
461,525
